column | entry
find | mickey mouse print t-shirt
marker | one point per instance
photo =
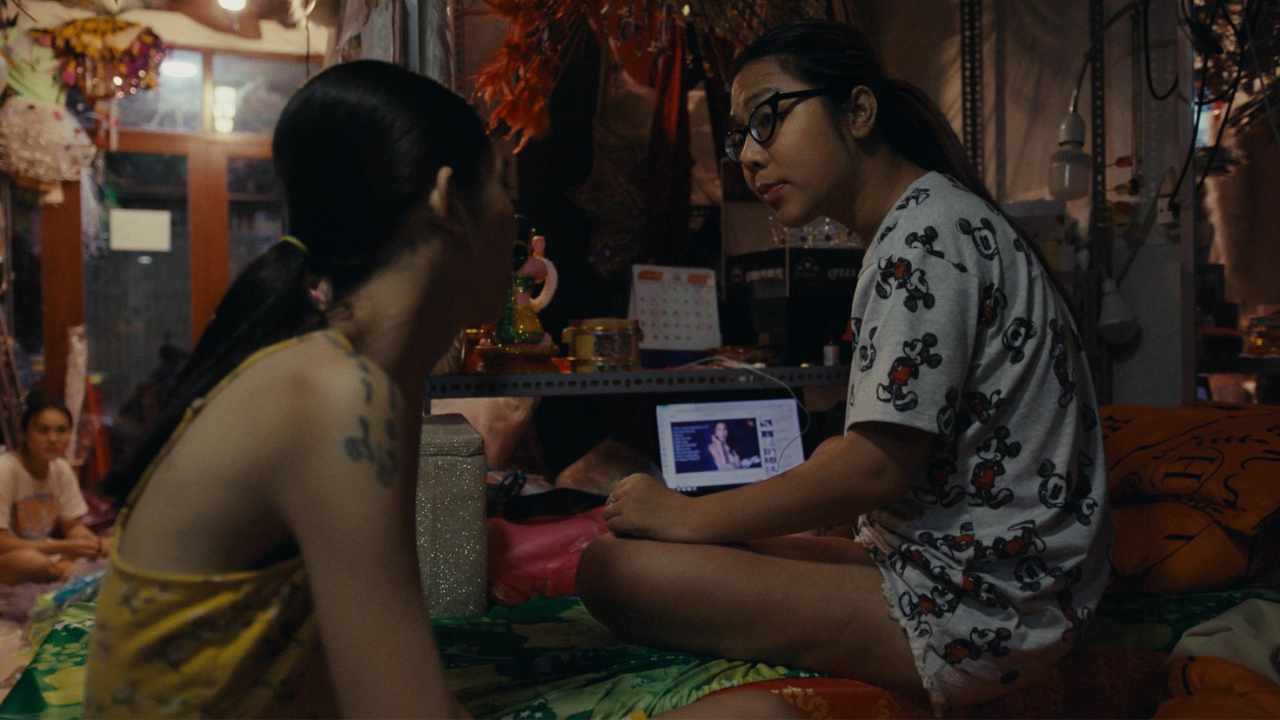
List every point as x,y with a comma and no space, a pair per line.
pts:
998,553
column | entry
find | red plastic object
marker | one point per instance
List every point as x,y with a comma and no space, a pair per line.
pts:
538,558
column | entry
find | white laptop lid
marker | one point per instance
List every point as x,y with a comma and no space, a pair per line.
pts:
706,445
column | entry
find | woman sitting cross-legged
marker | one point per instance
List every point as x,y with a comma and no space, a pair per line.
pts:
972,457
42,532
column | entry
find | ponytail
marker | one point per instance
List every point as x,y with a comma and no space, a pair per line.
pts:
267,303
913,126
919,131
357,150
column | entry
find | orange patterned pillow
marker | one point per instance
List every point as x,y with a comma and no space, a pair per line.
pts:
1167,547
1209,687
1223,460
1087,683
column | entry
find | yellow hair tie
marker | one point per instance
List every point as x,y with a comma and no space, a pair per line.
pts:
296,243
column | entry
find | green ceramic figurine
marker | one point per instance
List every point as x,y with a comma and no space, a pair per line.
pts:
519,323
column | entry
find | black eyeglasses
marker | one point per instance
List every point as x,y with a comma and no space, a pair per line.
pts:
763,120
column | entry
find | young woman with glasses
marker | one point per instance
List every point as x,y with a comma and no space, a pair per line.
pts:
971,466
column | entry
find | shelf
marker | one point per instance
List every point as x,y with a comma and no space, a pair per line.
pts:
640,382
255,198
1241,365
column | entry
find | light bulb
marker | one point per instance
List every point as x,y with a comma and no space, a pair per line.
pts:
1116,322
1069,167
224,101
234,6
178,69
1069,174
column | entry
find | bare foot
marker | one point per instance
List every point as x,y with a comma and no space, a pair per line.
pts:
61,570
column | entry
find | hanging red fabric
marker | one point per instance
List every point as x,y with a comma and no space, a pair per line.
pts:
670,159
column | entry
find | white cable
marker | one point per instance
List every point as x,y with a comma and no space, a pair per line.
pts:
749,368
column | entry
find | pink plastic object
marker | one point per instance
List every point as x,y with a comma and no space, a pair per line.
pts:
539,558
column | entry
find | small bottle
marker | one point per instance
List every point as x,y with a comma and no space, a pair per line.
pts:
831,354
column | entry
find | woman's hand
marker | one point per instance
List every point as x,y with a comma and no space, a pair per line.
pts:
641,506
83,537
75,546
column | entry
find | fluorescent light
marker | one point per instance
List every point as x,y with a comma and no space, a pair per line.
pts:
224,125
1116,322
234,6
1069,167
224,101
178,69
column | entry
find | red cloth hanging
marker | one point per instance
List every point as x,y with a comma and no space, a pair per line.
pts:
670,160
98,463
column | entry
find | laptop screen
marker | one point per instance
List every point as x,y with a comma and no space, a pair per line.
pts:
705,445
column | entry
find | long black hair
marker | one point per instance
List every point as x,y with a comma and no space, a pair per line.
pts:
36,403
357,150
908,121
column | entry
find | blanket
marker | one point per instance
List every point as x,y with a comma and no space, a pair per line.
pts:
52,687
1196,492
30,620
546,659
1118,669
1149,621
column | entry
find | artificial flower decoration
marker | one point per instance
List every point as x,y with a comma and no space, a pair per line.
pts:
105,57
516,85
42,144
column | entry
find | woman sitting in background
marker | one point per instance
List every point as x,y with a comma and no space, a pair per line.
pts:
266,563
41,508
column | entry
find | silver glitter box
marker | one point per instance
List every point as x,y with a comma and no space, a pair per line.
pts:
450,517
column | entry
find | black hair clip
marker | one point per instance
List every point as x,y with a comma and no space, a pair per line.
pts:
505,500
502,492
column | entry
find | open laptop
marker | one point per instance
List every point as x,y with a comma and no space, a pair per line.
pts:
715,446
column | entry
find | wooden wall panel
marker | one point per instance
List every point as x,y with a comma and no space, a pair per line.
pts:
210,233
62,279
62,267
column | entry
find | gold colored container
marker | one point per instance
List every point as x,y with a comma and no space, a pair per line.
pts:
1262,337
603,344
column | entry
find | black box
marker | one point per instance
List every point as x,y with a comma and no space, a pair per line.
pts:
795,300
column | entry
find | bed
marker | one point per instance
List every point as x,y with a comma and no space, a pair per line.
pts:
537,653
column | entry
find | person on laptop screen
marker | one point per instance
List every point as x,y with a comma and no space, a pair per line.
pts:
972,459
721,452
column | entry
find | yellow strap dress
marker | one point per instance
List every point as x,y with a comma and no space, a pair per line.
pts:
239,644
